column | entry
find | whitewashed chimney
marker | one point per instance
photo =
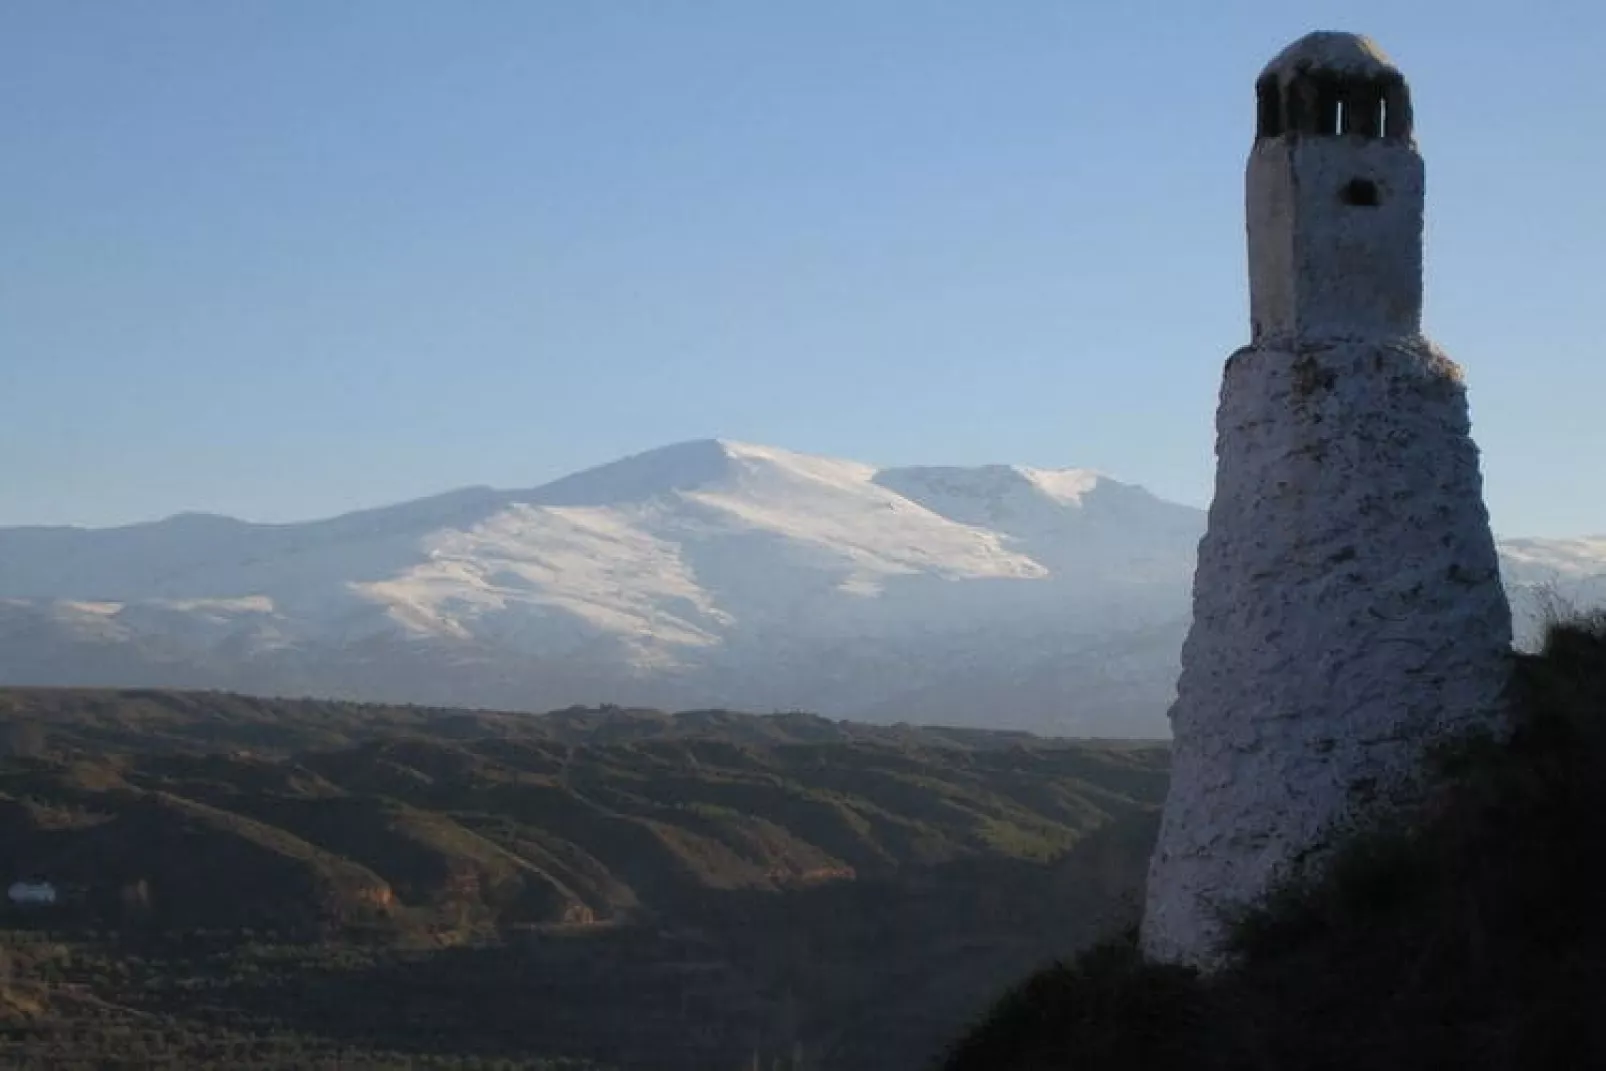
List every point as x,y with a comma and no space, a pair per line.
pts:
1347,604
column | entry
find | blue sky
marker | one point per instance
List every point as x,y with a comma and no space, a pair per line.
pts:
285,259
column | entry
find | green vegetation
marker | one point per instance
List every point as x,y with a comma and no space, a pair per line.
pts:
252,883
1468,938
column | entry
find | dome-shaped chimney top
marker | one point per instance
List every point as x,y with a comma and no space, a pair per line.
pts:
1340,55
1327,84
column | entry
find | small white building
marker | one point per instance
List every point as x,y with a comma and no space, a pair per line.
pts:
32,892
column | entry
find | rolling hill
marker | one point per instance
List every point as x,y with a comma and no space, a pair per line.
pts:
302,880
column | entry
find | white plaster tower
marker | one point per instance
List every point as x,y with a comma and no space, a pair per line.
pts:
1347,606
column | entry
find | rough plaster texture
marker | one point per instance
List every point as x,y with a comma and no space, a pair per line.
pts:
1348,55
1347,610
1319,266
1347,607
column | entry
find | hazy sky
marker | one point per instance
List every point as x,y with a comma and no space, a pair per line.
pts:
285,259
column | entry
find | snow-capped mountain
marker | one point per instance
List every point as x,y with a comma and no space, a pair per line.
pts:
707,573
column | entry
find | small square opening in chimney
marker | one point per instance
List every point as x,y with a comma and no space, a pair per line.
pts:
1362,193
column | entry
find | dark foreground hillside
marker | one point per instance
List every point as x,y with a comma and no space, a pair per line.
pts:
1472,938
273,884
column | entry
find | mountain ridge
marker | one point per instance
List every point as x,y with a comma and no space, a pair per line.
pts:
711,573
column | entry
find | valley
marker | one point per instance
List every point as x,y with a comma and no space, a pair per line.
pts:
262,883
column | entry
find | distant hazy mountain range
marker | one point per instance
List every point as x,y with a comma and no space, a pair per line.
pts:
699,575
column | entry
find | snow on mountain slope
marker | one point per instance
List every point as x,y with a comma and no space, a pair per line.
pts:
675,548
1550,577
705,573
1003,497
586,570
1541,560
303,569
1069,520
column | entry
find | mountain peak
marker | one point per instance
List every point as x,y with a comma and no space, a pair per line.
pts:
692,466
678,467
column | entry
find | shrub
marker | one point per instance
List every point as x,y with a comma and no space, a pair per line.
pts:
1470,937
